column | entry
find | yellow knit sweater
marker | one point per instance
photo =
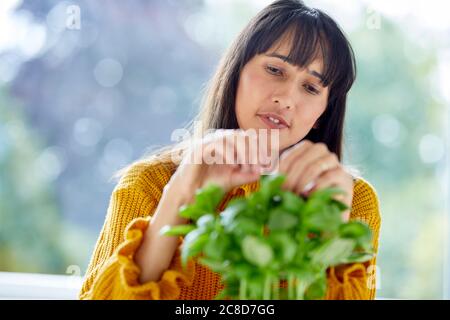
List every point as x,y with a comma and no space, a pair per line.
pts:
113,273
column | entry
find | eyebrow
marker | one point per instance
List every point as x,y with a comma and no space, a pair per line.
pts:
288,60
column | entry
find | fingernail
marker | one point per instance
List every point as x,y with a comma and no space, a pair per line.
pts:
308,186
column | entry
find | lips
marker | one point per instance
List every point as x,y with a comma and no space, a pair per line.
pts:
265,119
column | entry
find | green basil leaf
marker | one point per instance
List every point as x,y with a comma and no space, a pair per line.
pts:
354,230
243,226
217,245
282,220
313,205
284,245
317,289
222,294
243,270
358,231
326,194
176,230
364,244
206,222
325,218
235,254
193,244
228,216
340,205
240,204
191,212
292,202
257,203
332,252
215,265
209,197
358,257
270,184
256,251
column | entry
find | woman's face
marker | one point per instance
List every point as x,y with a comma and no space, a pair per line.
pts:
268,84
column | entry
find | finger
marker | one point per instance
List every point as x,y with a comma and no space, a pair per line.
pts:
227,140
230,152
339,180
329,176
238,177
335,178
251,150
213,152
240,145
264,151
244,174
314,169
288,157
246,150
219,150
268,150
301,161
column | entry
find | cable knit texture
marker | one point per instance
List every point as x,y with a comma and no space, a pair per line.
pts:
113,273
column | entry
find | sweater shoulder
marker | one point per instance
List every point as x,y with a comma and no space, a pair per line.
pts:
365,200
147,176
365,191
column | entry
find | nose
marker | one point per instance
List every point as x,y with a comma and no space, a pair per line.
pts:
278,102
286,97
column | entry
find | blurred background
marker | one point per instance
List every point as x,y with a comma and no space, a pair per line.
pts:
89,86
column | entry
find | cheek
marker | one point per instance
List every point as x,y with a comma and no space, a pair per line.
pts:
314,107
317,110
308,114
249,96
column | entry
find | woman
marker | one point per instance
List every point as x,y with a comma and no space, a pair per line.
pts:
289,70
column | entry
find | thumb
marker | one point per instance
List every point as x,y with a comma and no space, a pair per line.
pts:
238,177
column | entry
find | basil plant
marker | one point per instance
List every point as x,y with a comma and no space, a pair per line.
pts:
269,236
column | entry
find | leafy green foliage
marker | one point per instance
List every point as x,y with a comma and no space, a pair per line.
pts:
269,236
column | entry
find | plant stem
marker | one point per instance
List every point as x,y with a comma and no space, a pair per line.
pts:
243,289
291,284
276,289
266,295
301,287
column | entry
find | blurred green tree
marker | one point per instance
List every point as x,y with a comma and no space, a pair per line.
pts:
391,110
33,237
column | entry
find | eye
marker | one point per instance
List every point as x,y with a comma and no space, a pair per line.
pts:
311,89
274,70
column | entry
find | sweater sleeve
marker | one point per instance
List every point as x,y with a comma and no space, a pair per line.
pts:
357,281
112,272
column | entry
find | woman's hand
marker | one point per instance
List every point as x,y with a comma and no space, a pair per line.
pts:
311,166
199,166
